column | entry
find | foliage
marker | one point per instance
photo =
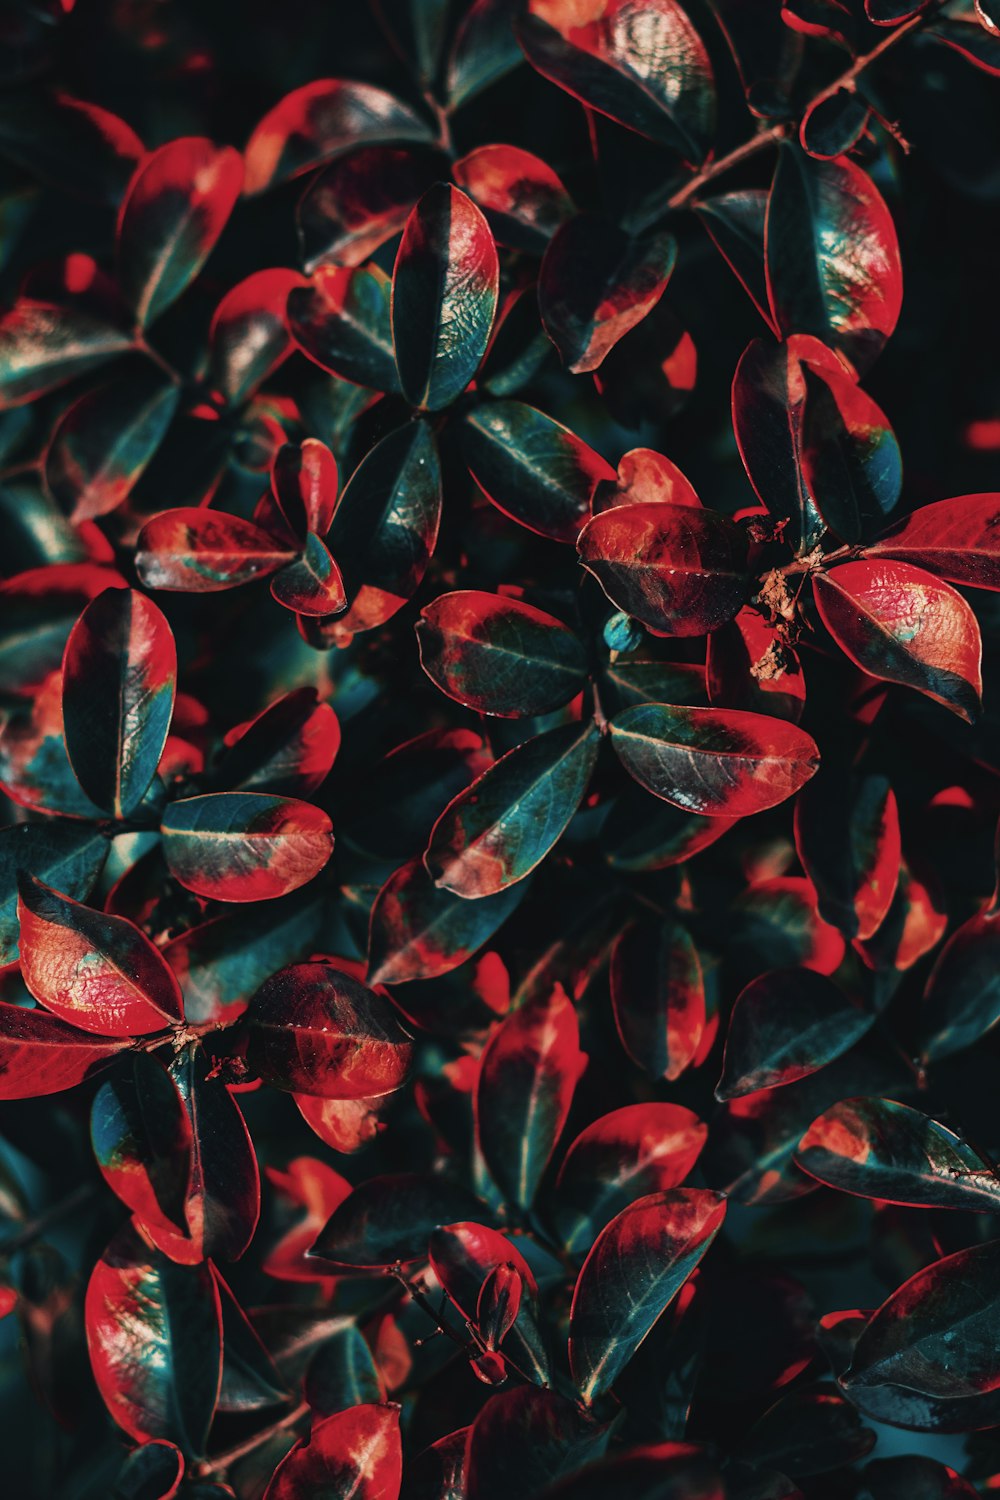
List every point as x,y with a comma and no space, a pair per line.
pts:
498,903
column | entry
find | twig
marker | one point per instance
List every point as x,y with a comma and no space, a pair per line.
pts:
36,1227
223,1461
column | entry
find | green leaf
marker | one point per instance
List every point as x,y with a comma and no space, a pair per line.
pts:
69,856
785,1025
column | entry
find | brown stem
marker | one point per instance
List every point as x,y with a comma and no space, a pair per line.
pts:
146,348
222,1461
776,133
36,1227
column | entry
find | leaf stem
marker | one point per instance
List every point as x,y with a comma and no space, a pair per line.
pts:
223,1461
144,347
36,1227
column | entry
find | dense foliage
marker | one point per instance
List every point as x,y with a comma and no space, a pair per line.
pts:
498,900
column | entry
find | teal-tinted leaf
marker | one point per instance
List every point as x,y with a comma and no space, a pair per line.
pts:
65,855
141,1136
499,655
420,932
34,768
912,1476
658,996
851,459
962,999
485,49
524,1438
311,585
596,283
785,1025
625,682
102,444
847,838
359,201
250,1381
151,1471
877,1148
502,826
529,1070
42,345
288,748
627,1154
155,1338
642,837
249,335
721,762
119,680
322,120
342,1373
417,30
464,1257
245,846
390,1219
808,1432
736,223
532,468
444,297
638,1264
340,320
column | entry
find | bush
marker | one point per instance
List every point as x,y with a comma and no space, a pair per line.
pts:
501,938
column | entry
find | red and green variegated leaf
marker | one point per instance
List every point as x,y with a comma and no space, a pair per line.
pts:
833,266
748,664
250,1379
938,1332
39,1054
644,474
357,1452
417,31
716,761
223,1197
385,530
142,1139
484,50
198,551
644,837
850,457
848,842
98,972
658,997
680,570
398,803
38,609
322,120
68,143
532,468
914,924
957,539
220,963
498,1305
650,72
316,1030
154,1330
638,1264
627,1154
34,768
173,212
341,321
419,931
305,485
529,1070
785,1025
119,681
499,655
311,585
42,345
523,1438
877,1148
70,856
389,1219
735,222
289,748
523,199
359,202
629,680
245,846
463,1257
248,337
901,624
445,285
501,827
103,442
778,917
962,999
596,283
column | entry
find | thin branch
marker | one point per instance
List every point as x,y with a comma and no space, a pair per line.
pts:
44,1221
223,1461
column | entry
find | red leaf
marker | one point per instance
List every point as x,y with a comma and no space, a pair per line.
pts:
304,484
522,197
249,337
245,846
198,551
644,474
357,1453
956,539
39,1054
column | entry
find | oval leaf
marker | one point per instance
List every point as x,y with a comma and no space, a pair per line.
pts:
390,1219
39,1054
419,931
956,539
245,846
341,321
198,551
658,997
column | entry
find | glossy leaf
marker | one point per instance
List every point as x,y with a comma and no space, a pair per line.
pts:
315,1030
735,222
523,199
154,1332
40,1054
245,846
444,297
390,1219
524,1437
962,999
638,1264
464,1257
311,585
42,345
527,1076
658,997
69,856
142,1141
289,748
532,468
119,680
877,1148
360,201
174,211
322,120
342,1373
304,483
853,860
501,827
785,1025
679,570
627,1154
499,655
98,972
955,539
644,474
720,762
199,551
903,625
341,321
656,79
596,283
419,931
248,337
